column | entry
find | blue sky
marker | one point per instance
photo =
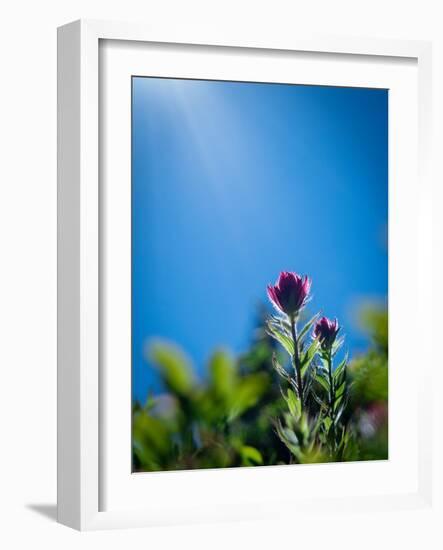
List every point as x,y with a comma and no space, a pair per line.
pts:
233,183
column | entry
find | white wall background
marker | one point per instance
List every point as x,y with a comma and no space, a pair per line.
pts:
28,256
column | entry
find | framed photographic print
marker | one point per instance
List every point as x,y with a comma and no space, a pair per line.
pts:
243,230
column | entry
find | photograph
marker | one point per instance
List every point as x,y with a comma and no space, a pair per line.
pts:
222,264
259,274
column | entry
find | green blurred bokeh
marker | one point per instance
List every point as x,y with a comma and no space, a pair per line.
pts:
228,418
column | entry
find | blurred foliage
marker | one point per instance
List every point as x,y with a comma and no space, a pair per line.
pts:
243,412
369,397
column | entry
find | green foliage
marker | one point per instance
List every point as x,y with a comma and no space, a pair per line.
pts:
174,368
221,421
223,376
370,378
340,412
153,444
369,397
250,456
247,411
299,433
375,321
278,329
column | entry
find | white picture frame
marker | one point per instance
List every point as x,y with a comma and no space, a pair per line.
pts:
83,441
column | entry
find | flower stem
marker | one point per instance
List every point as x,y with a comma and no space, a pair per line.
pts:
331,398
296,361
331,383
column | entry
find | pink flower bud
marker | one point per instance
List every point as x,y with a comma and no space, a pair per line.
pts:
326,331
290,293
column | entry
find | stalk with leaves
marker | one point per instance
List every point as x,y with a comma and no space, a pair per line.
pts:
332,381
316,393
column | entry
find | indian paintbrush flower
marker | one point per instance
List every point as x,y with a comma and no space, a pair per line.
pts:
290,292
308,408
326,330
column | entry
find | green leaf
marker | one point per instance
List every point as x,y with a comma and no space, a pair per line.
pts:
307,326
280,335
173,366
327,423
337,345
281,321
222,373
152,441
309,355
293,402
337,402
250,456
316,427
340,369
279,369
341,390
247,392
288,437
322,381
339,412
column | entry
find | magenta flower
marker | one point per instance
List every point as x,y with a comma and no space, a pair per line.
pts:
326,331
290,292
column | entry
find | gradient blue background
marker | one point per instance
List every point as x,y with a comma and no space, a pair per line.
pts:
233,183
